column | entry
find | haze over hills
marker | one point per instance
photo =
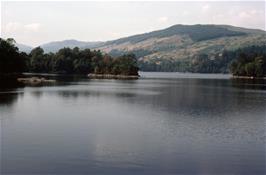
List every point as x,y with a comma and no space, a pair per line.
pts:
181,41
24,48
171,38
174,44
56,45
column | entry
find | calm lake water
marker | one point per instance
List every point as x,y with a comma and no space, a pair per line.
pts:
163,123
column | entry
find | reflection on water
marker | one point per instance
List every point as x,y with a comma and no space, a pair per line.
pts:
185,124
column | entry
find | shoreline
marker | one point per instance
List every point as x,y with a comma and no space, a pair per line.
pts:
248,77
112,76
91,75
35,80
34,77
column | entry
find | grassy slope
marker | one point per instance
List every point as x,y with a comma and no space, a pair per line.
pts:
184,41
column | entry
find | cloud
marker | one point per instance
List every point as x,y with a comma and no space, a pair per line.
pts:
113,34
14,27
32,27
185,13
162,19
205,8
249,14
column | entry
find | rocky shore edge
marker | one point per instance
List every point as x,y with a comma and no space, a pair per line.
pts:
35,80
247,77
112,76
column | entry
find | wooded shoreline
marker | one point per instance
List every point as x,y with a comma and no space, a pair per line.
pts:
248,77
47,78
36,80
112,76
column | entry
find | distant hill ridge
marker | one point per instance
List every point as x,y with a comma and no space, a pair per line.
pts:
195,32
173,43
176,48
56,45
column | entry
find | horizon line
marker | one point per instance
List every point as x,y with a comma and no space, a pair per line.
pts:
104,41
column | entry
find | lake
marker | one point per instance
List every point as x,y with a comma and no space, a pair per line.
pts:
162,123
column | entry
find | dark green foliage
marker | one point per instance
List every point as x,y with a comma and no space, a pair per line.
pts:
164,66
250,61
65,61
218,63
125,65
11,60
138,53
76,61
249,65
37,63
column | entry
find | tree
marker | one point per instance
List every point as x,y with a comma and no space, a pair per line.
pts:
37,61
66,61
249,65
11,60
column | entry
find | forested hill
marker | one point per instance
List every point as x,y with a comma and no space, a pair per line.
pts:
196,33
179,35
186,48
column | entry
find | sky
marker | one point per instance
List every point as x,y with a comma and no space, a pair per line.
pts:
36,23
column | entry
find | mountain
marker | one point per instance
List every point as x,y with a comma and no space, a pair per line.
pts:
23,47
56,45
184,45
181,45
195,32
180,41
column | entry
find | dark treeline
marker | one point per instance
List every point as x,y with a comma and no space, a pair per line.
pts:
11,60
65,61
249,64
218,63
249,61
164,66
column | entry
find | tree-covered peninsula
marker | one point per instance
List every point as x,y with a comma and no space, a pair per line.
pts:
64,61
249,65
245,62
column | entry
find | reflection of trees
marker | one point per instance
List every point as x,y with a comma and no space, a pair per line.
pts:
92,93
36,94
258,84
8,85
125,95
74,94
7,99
195,96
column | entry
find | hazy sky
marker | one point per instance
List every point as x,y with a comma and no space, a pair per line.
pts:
35,23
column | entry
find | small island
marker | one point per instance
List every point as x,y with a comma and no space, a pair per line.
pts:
249,66
249,63
35,80
66,61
